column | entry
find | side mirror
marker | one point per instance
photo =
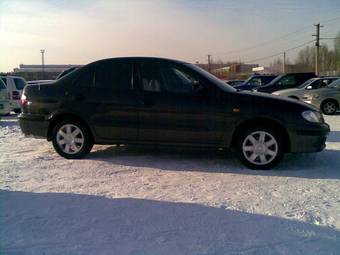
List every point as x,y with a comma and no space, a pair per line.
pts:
309,87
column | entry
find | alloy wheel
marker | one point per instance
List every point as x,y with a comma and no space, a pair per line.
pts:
70,139
260,148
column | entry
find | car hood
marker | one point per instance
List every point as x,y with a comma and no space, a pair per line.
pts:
286,91
276,101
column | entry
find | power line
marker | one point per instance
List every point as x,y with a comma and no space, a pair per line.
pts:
330,38
262,43
282,52
274,39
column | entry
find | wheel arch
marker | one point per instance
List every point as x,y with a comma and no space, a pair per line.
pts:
263,121
54,119
329,99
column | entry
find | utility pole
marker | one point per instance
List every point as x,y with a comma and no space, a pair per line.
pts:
209,62
42,51
317,45
284,62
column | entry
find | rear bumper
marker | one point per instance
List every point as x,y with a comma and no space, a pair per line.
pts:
15,104
309,140
33,125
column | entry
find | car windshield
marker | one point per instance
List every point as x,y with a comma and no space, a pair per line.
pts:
19,83
305,84
212,78
334,84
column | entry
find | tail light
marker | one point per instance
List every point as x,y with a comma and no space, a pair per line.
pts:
15,95
23,100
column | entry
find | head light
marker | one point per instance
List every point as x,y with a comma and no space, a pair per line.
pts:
312,116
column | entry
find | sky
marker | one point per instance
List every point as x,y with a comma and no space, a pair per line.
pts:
82,31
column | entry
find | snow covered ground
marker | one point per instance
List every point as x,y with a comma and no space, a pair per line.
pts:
137,200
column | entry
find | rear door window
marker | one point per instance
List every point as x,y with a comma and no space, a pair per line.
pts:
19,83
114,74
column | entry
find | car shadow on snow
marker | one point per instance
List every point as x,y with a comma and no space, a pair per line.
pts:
334,137
60,223
310,165
9,121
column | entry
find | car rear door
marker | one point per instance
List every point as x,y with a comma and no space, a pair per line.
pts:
172,111
105,95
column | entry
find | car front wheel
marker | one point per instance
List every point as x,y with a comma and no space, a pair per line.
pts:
329,107
71,139
260,148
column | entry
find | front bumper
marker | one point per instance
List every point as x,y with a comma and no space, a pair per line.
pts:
33,125
309,140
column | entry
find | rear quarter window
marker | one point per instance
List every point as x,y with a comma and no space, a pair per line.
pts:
2,85
19,83
4,80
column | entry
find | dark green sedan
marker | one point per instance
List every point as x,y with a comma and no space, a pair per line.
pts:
167,102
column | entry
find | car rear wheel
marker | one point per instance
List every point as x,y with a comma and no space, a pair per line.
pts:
260,148
329,107
71,139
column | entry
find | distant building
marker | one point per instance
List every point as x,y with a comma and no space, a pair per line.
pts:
242,68
39,72
263,70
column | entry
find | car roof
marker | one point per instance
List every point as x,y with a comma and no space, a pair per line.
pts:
141,59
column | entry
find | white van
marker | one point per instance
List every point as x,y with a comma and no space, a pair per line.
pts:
5,108
15,86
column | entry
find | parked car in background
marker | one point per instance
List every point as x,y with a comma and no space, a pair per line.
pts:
15,86
255,81
327,99
311,84
168,102
5,108
286,81
37,82
234,82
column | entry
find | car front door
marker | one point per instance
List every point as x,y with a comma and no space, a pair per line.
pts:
177,107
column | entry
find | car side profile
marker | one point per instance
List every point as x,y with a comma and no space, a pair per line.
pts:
286,81
166,102
327,99
255,81
308,86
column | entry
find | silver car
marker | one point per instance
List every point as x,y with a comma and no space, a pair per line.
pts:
327,99
311,84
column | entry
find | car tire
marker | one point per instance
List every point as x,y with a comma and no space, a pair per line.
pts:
71,139
260,148
329,107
